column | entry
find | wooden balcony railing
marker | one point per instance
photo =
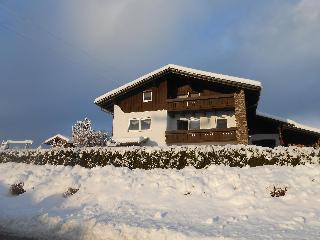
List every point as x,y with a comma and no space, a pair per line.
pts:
223,101
201,136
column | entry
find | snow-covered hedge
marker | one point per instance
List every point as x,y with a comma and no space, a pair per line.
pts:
166,157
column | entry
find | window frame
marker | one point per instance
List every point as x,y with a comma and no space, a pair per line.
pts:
186,121
145,118
139,120
193,120
221,118
134,130
143,96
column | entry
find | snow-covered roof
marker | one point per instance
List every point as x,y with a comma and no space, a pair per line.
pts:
17,142
290,122
215,77
57,136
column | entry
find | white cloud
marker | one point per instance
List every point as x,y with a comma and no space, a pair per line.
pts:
284,33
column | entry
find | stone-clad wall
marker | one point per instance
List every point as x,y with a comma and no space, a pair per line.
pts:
241,118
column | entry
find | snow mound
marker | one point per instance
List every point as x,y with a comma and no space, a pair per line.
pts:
117,203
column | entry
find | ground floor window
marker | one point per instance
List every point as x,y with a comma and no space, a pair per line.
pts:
194,124
203,120
139,124
222,123
134,125
182,124
145,123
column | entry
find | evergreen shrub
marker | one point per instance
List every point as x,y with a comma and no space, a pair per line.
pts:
176,157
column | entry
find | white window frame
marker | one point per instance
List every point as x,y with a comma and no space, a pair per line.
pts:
130,130
147,91
140,119
145,118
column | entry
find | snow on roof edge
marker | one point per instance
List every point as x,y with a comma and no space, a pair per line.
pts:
57,135
179,68
289,121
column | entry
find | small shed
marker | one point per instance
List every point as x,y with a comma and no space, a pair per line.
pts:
58,141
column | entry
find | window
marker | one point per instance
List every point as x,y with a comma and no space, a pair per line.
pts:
137,124
194,124
145,124
182,124
134,125
222,123
147,96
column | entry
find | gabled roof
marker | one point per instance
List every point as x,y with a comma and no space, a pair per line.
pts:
214,77
57,136
289,122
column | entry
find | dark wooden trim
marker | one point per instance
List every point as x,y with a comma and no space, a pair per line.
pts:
221,101
201,97
201,136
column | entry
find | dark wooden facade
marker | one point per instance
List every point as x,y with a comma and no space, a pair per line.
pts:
133,100
201,136
288,133
167,88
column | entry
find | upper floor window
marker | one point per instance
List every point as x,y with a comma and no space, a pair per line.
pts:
147,96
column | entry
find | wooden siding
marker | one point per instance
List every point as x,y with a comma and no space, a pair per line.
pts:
166,89
133,101
201,136
222,101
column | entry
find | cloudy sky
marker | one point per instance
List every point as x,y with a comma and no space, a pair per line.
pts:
57,56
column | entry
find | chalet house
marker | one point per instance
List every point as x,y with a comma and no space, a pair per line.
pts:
175,105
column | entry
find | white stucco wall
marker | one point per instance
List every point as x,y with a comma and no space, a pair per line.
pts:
156,133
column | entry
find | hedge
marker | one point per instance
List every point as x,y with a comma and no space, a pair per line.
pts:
165,157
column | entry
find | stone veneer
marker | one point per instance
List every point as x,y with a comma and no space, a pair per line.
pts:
241,117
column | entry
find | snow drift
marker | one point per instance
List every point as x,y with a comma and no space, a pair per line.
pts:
118,203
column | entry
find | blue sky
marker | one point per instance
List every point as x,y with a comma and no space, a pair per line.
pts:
57,56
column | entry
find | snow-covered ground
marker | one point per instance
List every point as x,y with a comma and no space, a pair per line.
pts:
117,203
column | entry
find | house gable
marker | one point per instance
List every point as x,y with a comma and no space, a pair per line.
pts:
209,83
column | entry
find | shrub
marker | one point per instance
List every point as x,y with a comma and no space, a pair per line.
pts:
84,136
165,157
17,189
70,192
278,191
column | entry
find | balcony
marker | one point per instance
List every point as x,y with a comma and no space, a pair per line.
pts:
222,101
201,136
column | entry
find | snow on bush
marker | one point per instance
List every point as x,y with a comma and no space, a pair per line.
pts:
84,136
17,189
70,192
166,157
